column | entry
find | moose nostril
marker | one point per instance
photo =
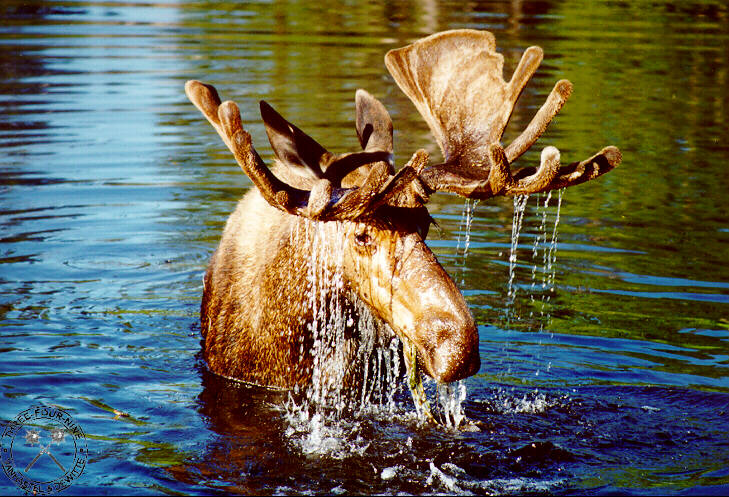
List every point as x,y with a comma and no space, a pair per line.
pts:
457,365
455,357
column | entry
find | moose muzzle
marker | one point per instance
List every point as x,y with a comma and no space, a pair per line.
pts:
447,348
427,310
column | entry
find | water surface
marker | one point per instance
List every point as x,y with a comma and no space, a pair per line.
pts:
114,190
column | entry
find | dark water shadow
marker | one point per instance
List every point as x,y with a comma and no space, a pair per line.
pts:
558,441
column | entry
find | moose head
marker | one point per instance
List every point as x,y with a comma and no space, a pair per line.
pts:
254,312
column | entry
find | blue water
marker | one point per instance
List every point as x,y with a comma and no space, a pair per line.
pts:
114,191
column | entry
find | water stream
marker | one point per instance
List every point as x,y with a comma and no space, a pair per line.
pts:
543,275
356,372
520,205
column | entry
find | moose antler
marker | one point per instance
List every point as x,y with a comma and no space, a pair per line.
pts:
455,79
326,200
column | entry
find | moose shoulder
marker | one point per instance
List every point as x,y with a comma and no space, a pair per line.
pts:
256,311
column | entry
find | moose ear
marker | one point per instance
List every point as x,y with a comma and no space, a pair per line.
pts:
292,146
374,126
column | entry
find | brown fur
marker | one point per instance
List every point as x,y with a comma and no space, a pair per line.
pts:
254,274
255,309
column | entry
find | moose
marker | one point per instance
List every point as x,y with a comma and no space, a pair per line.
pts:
256,314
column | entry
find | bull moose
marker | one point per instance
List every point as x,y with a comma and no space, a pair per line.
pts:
256,311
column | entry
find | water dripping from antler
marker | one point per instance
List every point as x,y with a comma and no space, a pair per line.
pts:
543,268
520,204
464,231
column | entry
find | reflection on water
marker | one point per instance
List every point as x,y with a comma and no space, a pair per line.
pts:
114,192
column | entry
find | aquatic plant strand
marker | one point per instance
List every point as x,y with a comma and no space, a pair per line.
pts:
415,383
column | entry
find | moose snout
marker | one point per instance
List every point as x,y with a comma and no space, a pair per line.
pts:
453,352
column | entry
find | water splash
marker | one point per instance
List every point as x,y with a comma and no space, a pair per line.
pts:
539,238
350,349
464,227
449,396
509,401
549,260
544,256
450,483
452,479
543,270
356,370
324,276
353,351
450,399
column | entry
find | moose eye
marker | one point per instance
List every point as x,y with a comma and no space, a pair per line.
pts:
363,239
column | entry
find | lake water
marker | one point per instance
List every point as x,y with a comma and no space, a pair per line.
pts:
114,191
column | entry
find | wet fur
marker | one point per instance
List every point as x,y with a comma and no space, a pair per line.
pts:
256,310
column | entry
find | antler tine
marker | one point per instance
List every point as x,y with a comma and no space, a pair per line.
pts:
542,178
500,181
556,99
550,175
355,202
528,65
575,173
344,164
206,99
273,190
225,118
